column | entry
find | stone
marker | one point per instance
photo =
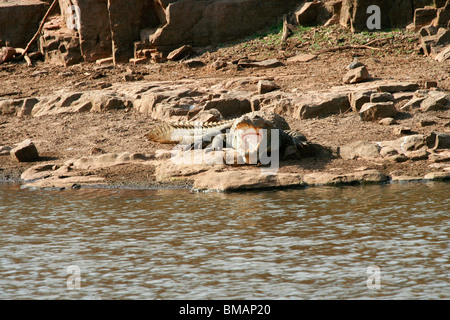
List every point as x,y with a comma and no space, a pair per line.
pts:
388,151
424,16
211,115
400,96
443,16
304,57
360,149
358,99
400,131
204,23
107,160
400,178
219,64
357,75
414,103
381,97
417,155
66,182
398,87
312,13
435,101
430,84
107,102
104,61
6,54
437,140
10,106
126,20
269,63
428,30
39,171
25,151
321,106
359,177
180,53
376,111
444,55
5,150
265,86
194,63
394,13
229,106
252,180
412,142
440,157
19,20
437,176
387,121
399,158
427,123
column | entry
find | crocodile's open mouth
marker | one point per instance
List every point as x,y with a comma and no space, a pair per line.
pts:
250,139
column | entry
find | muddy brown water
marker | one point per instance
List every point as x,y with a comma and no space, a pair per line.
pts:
368,242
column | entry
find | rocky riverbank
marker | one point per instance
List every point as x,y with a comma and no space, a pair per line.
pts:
384,118
373,132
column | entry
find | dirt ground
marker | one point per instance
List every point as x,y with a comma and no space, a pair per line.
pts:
70,136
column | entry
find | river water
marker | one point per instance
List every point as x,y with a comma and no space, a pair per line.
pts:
368,242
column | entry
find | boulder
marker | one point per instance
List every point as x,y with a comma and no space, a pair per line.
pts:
203,23
443,15
248,180
25,151
424,16
313,13
265,86
438,176
357,75
19,20
377,111
194,63
438,140
381,97
180,53
6,54
398,87
107,160
435,101
358,99
360,149
229,105
394,13
444,55
417,155
320,106
359,177
414,103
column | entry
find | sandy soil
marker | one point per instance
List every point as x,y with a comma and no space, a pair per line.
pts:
74,135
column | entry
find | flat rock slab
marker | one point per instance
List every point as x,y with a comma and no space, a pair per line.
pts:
359,177
245,180
66,182
269,63
301,58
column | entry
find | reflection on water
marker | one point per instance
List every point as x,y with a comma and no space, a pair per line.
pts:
314,243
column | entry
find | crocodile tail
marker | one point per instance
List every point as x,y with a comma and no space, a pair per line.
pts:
162,133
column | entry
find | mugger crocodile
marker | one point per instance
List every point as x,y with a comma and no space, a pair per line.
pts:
251,135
